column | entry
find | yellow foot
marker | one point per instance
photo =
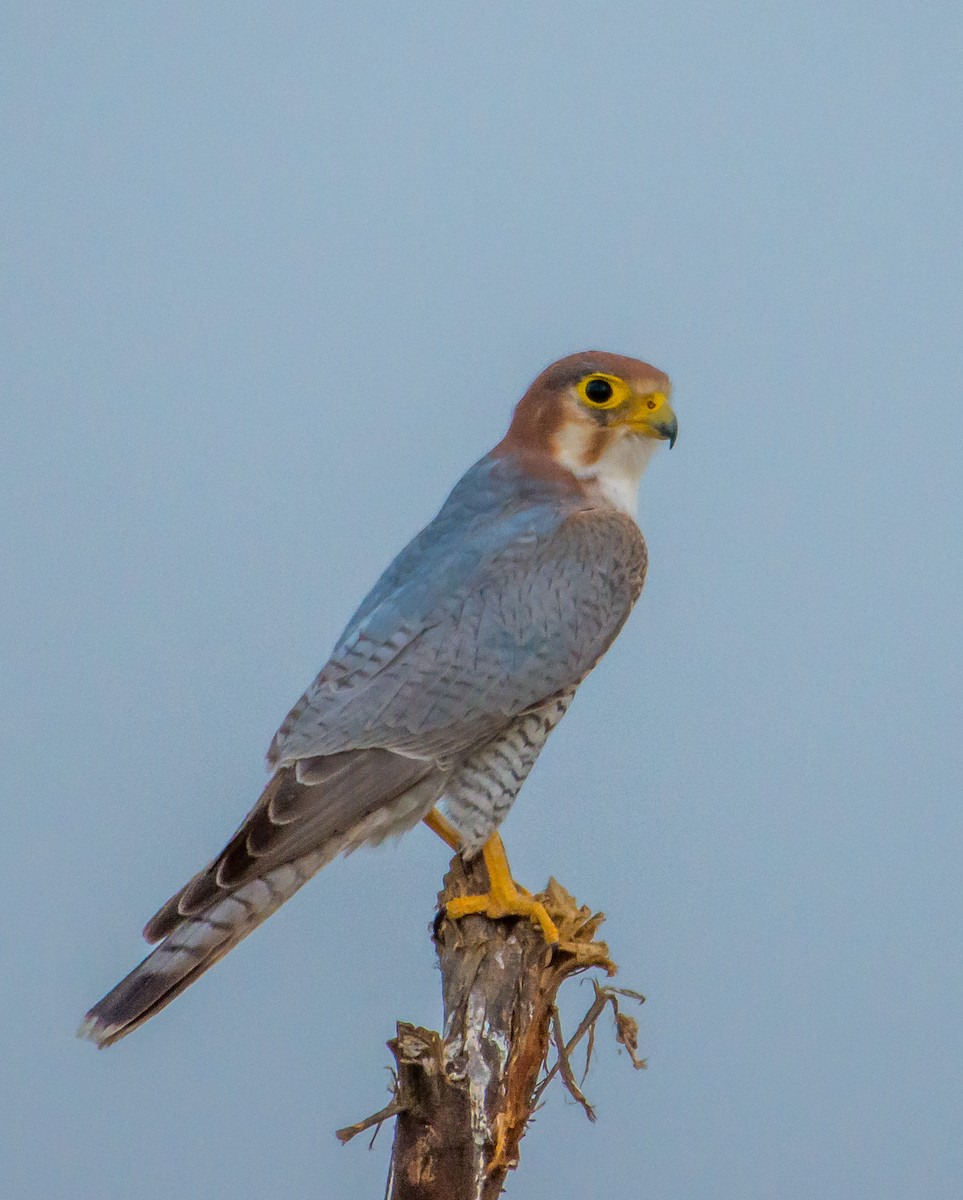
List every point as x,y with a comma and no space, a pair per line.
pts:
504,898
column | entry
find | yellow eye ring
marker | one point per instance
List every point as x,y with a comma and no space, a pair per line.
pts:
602,391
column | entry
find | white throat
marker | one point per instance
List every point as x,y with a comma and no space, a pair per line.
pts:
617,471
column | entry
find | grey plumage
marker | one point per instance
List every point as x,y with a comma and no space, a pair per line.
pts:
443,687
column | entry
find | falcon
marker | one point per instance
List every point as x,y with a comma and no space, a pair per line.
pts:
448,679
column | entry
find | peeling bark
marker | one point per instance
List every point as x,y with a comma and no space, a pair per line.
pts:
463,1098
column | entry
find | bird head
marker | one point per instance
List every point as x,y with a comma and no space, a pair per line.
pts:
598,416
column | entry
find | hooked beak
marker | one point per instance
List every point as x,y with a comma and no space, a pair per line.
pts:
654,418
667,428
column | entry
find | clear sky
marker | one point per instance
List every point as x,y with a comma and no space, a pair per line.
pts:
274,275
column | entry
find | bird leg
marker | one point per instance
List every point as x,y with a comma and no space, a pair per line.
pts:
503,898
446,831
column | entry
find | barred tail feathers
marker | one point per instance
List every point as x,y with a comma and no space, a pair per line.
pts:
197,943
296,828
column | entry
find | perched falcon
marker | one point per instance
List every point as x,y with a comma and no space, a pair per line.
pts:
449,677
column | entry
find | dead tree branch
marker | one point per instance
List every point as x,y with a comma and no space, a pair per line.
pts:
463,1098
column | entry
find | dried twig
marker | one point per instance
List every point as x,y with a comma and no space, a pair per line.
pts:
385,1114
626,1033
463,1100
564,1066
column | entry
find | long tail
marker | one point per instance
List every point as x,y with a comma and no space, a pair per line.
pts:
196,944
295,828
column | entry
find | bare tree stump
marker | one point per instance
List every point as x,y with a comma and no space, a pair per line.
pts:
463,1098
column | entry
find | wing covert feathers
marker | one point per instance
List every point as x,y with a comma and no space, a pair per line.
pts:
441,666
447,681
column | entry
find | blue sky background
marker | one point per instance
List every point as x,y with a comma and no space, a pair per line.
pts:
273,276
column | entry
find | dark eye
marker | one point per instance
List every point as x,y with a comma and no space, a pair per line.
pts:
598,391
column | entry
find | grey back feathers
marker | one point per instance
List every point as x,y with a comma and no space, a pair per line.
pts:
443,688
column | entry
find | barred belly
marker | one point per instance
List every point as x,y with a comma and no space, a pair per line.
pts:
483,788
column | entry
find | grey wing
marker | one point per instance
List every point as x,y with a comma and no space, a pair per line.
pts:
447,661
351,799
448,685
